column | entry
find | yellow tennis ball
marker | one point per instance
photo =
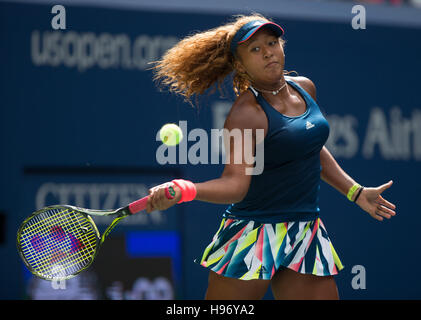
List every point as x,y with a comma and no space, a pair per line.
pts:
171,134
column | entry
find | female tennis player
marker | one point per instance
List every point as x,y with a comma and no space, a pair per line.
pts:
271,233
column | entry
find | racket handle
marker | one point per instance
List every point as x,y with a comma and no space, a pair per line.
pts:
140,204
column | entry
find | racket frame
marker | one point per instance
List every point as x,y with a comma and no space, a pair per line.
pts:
120,213
87,213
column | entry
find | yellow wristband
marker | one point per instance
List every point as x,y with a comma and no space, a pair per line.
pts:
352,190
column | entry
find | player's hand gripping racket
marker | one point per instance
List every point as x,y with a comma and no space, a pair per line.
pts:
58,242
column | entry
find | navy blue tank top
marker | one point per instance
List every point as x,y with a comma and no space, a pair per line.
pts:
288,187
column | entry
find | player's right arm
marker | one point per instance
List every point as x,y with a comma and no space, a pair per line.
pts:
233,184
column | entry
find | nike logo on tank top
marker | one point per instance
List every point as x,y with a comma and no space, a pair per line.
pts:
288,188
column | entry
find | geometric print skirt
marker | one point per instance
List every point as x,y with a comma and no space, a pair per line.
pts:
249,250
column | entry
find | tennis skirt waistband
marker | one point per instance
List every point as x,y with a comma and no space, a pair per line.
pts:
271,218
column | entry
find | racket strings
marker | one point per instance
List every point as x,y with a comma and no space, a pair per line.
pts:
58,243
50,257
35,229
38,255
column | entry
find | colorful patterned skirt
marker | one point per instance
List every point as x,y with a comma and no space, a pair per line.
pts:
251,250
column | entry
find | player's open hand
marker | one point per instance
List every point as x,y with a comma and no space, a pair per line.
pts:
371,201
158,199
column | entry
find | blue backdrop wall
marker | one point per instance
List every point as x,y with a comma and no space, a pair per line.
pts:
79,118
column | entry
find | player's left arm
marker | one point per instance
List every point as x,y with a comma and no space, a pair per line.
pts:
370,199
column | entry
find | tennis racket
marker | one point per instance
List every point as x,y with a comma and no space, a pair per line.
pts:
60,241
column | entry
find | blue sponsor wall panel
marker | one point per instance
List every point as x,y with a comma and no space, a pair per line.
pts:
79,116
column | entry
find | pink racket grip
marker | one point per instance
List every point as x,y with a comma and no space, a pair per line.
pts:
140,204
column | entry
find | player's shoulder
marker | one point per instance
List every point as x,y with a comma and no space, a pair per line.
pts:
245,100
304,82
245,111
